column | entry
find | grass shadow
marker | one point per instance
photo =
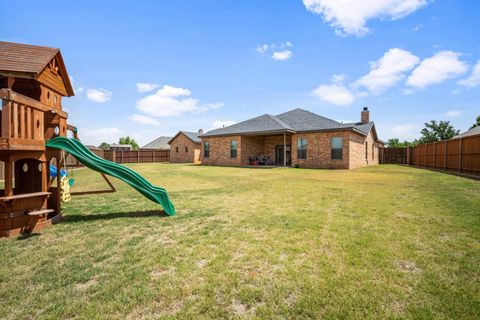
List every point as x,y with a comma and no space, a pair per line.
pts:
113,215
25,236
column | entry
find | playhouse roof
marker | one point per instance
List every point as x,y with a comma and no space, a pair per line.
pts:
28,61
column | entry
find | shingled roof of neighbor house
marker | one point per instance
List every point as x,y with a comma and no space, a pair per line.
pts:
297,120
471,132
194,136
159,143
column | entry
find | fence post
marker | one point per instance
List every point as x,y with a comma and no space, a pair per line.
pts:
425,162
138,156
434,154
446,158
460,151
121,156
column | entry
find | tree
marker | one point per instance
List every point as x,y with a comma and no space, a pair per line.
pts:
104,146
437,131
476,124
395,143
130,141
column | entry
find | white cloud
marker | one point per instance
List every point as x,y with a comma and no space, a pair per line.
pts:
453,113
349,17
99,135
221,123
417,27
172,101
407,131
282,55
388,70
279,52
336,94
143,119
99,95
436,69
474,79
338,78
146,87
75,88
262,48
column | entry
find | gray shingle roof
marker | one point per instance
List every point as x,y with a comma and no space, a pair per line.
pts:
467,133
297,120
191,135
159,143
264,123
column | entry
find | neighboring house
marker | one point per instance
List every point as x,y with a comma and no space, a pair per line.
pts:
120,147
161,143
296,138
472,132
185,147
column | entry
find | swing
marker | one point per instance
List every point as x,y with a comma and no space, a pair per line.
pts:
66,182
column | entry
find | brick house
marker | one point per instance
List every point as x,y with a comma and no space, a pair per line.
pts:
297,138
185,147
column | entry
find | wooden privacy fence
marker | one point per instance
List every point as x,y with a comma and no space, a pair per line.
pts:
139,156
460,155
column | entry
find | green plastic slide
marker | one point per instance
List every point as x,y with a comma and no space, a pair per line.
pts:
127,175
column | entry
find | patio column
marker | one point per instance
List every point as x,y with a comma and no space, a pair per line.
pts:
284,149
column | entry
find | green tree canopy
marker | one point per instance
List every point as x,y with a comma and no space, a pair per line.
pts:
437,131
395,143
130,141
476,124
104,146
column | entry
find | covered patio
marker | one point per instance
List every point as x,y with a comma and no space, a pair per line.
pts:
267,149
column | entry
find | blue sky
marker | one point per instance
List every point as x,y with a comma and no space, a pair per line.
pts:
213,62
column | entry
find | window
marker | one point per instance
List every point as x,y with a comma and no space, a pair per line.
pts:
302,149
176,149
233,149
336,145
186,149
366,150
373,151
206,149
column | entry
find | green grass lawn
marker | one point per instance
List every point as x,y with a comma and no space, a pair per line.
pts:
378,242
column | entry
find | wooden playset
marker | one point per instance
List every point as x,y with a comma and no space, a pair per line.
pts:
33,129
33,81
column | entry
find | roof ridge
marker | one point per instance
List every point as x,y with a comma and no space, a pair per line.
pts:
310,112
30,45
280,122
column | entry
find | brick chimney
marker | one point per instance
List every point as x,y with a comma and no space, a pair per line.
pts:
200,131
365,115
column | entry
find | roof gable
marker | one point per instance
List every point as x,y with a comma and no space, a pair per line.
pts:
23,60
190,135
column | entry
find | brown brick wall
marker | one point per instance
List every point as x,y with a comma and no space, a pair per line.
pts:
182,141
358,157
220,151
318,149
252,147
